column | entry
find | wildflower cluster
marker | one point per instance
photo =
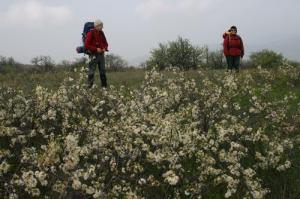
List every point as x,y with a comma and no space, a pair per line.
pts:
173,137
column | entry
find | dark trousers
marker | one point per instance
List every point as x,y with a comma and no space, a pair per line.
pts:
233,62
227,61
99,60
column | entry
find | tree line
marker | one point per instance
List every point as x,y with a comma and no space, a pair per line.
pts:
180,53
183,55
45,63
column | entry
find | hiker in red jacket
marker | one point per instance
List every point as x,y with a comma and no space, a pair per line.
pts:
233,48
97,45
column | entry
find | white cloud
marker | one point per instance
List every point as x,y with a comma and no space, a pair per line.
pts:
155,8
34,13
150,8
193,5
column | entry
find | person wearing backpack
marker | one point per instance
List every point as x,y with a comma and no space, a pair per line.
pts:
234,49
96,45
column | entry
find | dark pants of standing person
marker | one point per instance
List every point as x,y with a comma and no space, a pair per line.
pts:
97,59
233,62
227,61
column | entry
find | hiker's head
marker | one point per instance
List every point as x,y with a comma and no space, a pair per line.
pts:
233,30
98,24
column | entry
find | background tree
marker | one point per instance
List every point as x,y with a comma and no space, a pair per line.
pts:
180,54
293,63
266,58
79,63
44,63
216,59
7,61
115,62
65,64
8,64
142,65
205,51
159,57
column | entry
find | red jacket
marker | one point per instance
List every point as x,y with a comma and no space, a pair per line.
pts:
95,39
225,50
233,45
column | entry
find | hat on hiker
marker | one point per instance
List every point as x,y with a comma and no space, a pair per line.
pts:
98,22
233,28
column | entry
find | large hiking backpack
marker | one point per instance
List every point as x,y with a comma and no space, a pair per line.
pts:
87,28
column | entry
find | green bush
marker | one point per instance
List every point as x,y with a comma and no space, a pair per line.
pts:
179,54
266,58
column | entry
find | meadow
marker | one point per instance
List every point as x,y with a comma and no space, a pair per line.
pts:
196,134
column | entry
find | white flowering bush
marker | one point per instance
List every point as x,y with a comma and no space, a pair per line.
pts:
220,135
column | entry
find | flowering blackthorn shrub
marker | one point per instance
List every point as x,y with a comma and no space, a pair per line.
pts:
174,137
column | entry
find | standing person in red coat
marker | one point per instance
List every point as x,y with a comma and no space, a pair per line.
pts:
97,45
233,45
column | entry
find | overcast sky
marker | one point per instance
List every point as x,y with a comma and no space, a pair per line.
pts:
29,28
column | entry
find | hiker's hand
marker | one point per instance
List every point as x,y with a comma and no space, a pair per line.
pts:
99,50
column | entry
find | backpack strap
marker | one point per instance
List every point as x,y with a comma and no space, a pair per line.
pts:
92,39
